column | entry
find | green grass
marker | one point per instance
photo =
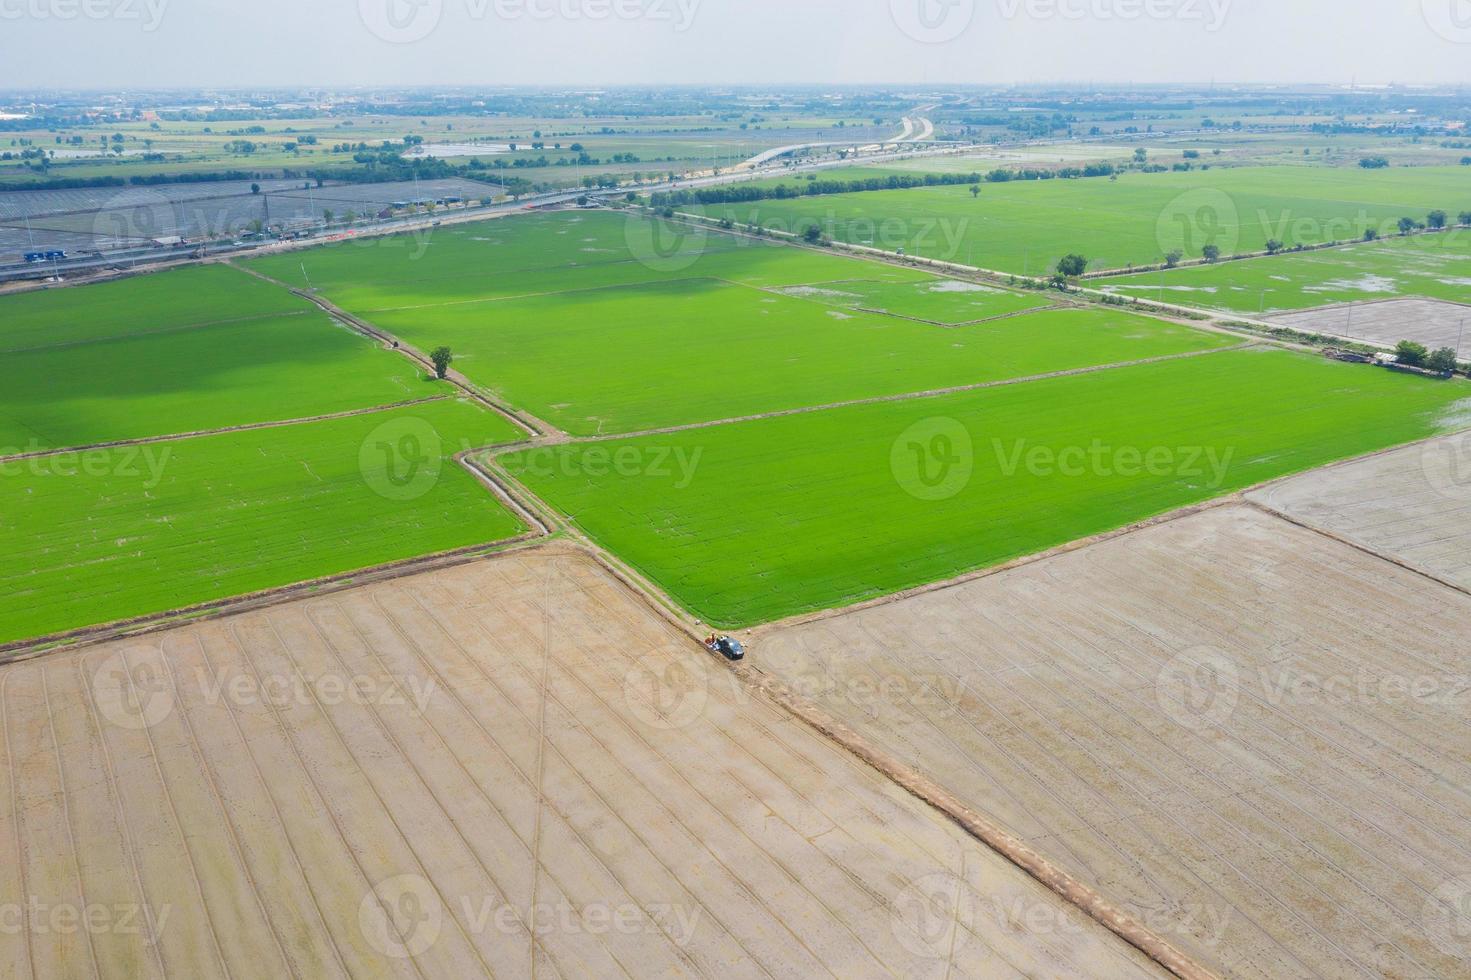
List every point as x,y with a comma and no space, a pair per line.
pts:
106,535
158,303
1025,227
757,521
944,301
642,357
1429,266
535,254
230,374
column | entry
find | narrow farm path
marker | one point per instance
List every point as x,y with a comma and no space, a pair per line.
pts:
531,424
251,427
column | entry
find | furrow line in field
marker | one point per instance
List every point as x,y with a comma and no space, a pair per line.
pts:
66,814
224,816
119,810
887,399
179,825
286,732
1094,753
342,743
652,847
1201,776
533,850
228,430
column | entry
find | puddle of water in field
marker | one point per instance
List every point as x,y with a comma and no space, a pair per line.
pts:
1364,284
811,292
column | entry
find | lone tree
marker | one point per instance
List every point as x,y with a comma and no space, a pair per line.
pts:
1437,219
1072,266
1173,259
812,235
975,190
1443,360
1407,225
1411,354
1211,253
1465,218
1274,246
442,358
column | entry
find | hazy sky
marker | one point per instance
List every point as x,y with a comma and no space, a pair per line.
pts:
192,43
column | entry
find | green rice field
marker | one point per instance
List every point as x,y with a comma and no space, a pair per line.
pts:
94,537
643,357
163,302
1429,266
205,377
1024,227
757,521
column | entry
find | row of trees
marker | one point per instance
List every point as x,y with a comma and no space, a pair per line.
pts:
746,193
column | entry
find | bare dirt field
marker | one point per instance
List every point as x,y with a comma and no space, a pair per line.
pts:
1434,323
1413,505
511,768
1253,736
